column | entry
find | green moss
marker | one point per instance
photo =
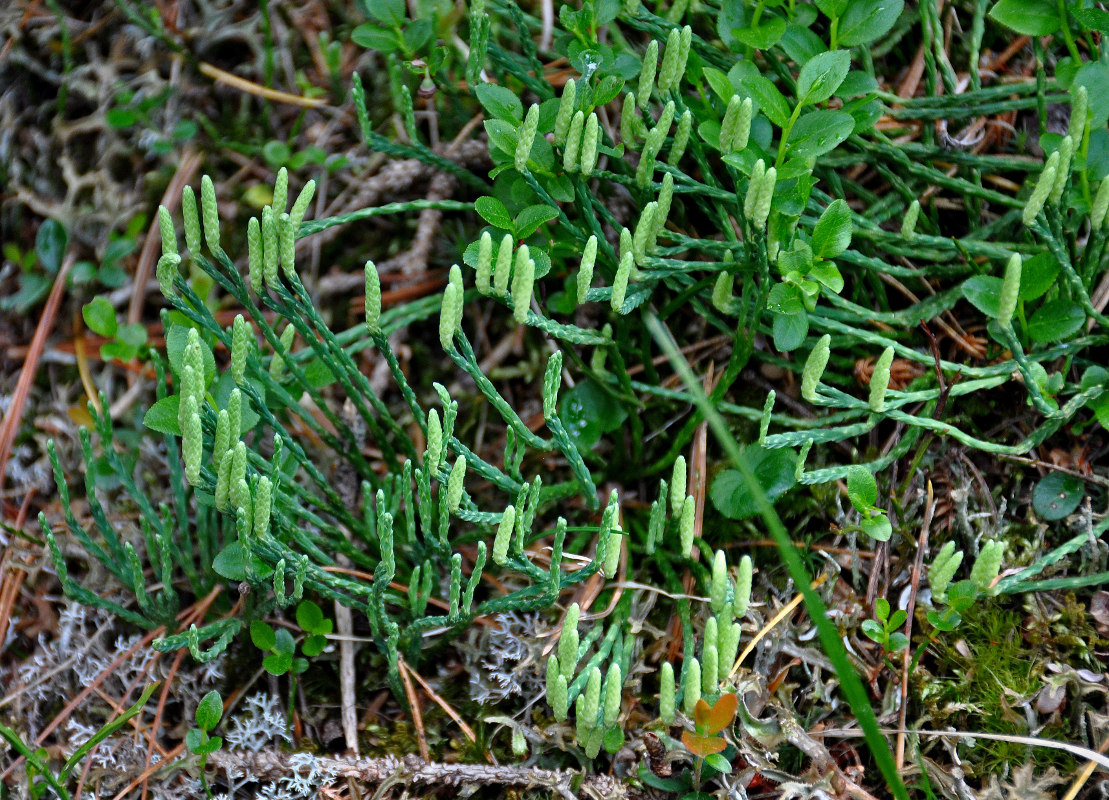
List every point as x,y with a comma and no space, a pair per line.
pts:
988,672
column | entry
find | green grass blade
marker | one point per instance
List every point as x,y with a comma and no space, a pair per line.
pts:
833,646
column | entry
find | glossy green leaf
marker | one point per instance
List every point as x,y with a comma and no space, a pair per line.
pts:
877,527
133,334
882,608
1030,17
943,622
502,135
862,488
857,83
677,784
1095,77
897,642
822,75
1093,18
832,233
761,37
50,245
1056,320
801,44
500,102
774,470
283,641
209,711
118,351
1057,495
387,12
1037,275
873,630
210,746
374,37
588,411
613,739
828,274
121,118
494,212
311,619
100,316
962,594
229,564
832,8
277,663
417,33
313,645
770,100
798,259
819,132
718,763
720,84
864,111
785,298
605,92
529,220
732,15
865,21
262,635
162,416
983,292
790,329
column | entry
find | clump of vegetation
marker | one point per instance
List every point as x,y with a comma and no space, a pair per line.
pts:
749,270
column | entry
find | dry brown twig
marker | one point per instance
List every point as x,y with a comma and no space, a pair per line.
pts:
414,706
918,565
10,426
449,709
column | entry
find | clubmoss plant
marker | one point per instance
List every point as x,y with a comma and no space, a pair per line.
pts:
270,518
754,227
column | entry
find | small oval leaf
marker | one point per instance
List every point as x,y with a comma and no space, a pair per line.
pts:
703,745
722,713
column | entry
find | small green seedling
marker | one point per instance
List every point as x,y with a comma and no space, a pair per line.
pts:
958,598
312,620
281,645
281,648
805,268
884,629
198,739
208,714
862,491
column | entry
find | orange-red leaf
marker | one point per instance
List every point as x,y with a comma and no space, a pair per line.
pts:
703,745
720,715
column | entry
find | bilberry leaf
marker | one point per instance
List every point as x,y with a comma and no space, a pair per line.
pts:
832,233
821,76
209,710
